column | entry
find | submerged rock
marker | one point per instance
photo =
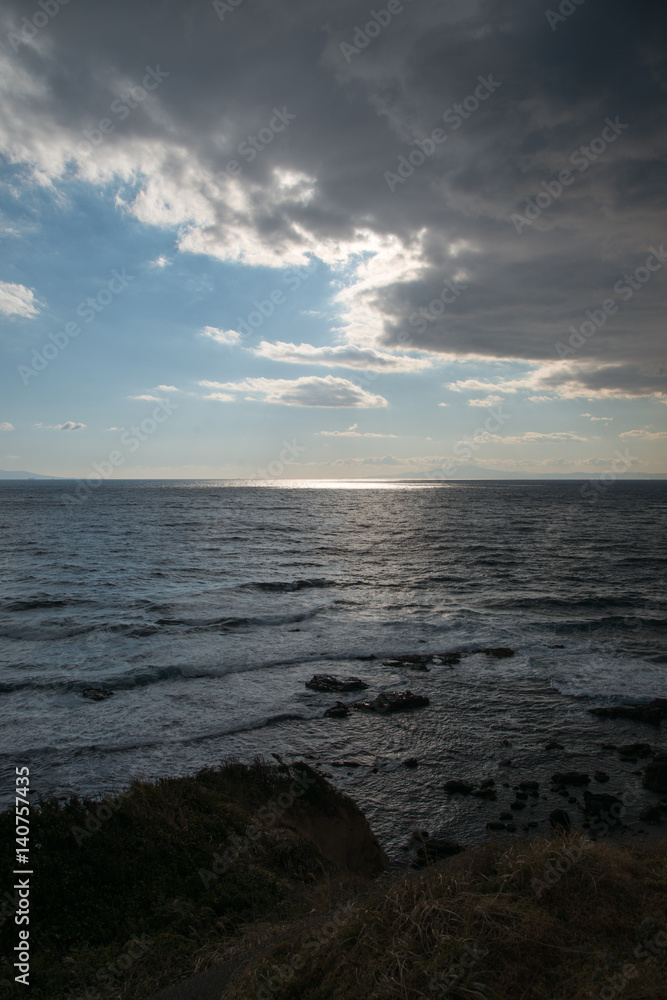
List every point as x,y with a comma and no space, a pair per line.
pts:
97,694
327,682
570,778
601,776
393,701
601,804
485,793
338,711
652,712
655,774
500,652
635,750
458,787
411,762
553,745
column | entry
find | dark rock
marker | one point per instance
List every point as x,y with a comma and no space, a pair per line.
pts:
511,827
495,825
398,701
603,805
529,786
485,793
487,783
506,784
411,762
570,778
338,711
522,795
457,787
507,743
572,800
507,815
327,682
558,645
553,745
419,666
97,694
371,656
517,805
635,750
507,762
500,652
560,820
655,774
601,776
652,712
433,850
533,823
651,814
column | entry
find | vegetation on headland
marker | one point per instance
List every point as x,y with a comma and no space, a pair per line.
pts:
135,893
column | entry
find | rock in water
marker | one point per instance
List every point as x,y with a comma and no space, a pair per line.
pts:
652,712
97,694
570,778
650,814
601,776
327,682
338,711
393,701
457,787
560,820
500,652
634,750
655,774
603,805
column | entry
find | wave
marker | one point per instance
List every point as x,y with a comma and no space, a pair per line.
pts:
283,587
46,631
39,603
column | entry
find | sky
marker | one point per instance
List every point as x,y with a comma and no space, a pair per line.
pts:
328,240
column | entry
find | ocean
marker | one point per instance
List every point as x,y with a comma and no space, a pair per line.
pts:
206,606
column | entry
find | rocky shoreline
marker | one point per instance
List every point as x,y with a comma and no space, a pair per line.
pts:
587,809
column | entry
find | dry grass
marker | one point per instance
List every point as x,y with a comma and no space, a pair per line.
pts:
479,927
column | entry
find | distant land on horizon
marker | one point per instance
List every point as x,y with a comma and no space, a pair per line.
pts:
470,475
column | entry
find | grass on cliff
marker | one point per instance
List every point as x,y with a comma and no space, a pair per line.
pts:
531,920
125,897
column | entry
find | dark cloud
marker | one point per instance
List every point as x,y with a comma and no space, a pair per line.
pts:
319,184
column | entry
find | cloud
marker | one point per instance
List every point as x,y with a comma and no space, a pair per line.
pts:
646,434
310,390
221,397
220,336
161,262
530,436
5,426
17,300
147,398
69,425
597,419
489,401
352,432
342,356
318,187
